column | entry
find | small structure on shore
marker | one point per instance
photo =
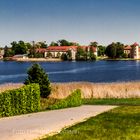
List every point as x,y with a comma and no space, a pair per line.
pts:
20,56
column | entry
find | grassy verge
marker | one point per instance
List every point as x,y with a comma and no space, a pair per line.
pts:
122,123
72,100
113,101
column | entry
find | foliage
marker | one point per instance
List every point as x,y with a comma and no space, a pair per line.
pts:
125,55
69,55
64,42
71,101
93,44
122,123
20,101
81,54
54,44
36,74
115,50
33,49
42,45
64,57
91,54
101,50
8,52
19,48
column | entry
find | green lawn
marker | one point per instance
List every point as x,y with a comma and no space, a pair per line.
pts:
131,101
122,123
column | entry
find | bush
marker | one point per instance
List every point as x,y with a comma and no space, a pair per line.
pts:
73,100
37,75
20,101
64,57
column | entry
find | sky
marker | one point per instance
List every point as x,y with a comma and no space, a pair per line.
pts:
82,21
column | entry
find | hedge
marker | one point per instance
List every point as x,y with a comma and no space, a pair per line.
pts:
20,101
73,100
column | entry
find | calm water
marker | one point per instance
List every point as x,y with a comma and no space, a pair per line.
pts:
99,71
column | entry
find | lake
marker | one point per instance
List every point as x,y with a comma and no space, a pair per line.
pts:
98,71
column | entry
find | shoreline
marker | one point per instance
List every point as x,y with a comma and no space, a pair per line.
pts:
38,60
59,60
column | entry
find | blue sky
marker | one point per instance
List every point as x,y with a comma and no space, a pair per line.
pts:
83,21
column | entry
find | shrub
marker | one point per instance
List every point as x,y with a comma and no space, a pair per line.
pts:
71,101
20,101
36,74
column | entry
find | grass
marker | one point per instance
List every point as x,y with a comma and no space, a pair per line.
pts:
122,123
94,90
90,90
129,101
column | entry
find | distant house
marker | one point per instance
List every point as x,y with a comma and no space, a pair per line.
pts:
41,51
20,56
57,51
1,54
133,51
127,50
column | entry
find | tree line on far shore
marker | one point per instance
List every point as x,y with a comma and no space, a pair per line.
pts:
113,50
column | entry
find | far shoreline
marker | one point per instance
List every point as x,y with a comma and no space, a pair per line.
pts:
59,60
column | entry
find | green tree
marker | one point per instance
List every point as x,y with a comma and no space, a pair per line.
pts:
120,49
42,44
93,44
64,42
81,54
8,52
115,50
69,55
64,57
32,50
101,50
91,54
54,44
19,48
36,74
111,50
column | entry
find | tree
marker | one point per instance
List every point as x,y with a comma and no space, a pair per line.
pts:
8,52
93,44
64,57
54,44
120,49
64,42
101,50
36,74
81,54
91,54
32,51
115,50
111,50
69,55
19,48
42,44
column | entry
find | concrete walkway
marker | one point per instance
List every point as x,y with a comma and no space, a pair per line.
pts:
32,126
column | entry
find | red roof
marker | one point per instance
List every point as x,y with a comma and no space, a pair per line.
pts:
127,48
61,48
135,44
41,50
66,48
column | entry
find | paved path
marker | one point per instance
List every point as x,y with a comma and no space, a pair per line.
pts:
31,126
